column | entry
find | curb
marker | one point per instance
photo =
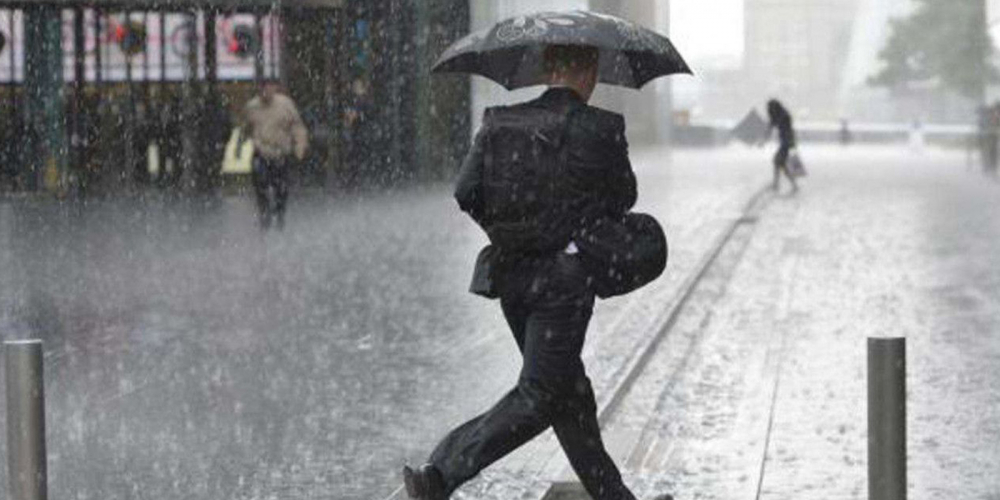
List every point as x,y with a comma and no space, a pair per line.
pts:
667,319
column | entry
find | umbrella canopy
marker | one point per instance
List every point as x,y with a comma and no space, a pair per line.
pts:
511,52
751,128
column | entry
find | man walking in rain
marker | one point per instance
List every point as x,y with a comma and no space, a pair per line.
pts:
535,174
272,122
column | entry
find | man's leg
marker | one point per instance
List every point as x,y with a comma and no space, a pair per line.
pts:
511,422
575,419
553,389
552,321
279,174
781,165
579,434
261,184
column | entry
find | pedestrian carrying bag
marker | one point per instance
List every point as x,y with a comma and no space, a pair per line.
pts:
622,254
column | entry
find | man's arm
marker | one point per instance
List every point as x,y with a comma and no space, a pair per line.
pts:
468,187
300,134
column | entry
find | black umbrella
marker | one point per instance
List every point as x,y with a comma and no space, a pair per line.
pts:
510,53
751,128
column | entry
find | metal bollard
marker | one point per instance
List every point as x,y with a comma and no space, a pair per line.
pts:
26,468
887,419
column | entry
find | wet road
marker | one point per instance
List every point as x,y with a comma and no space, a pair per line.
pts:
878,243
190,356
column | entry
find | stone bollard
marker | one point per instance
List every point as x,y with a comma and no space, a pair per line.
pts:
26,471
887,419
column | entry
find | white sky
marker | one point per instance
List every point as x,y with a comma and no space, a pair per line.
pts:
707,29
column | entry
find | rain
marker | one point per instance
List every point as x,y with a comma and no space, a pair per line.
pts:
238,229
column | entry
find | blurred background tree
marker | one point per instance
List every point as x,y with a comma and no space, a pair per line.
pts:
943,42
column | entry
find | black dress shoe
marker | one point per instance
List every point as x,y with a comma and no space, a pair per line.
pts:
424,483
664,496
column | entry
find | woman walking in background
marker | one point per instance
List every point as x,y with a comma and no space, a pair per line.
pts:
781,119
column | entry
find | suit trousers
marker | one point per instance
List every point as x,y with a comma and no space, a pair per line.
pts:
548,304
268,174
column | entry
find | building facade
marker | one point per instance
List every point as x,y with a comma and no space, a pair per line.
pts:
993,21
111,79
797,51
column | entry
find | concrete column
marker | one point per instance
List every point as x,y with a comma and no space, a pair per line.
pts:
443,101
648,109
664,86
421,86
191,158
46,101
79,79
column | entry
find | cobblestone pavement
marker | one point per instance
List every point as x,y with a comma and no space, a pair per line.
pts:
879,242
190,356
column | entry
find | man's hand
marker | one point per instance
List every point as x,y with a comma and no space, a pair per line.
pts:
301,145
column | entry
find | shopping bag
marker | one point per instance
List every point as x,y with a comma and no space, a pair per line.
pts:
795,166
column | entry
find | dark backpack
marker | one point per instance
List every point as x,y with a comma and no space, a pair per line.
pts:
523,179
527,205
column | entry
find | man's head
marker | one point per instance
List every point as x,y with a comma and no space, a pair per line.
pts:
267,89
574,66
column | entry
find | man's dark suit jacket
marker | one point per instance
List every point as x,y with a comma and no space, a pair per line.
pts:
599,180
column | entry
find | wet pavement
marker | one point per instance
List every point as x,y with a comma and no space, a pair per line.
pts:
759,390
190,356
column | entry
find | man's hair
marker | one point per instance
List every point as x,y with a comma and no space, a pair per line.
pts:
562,58
776,109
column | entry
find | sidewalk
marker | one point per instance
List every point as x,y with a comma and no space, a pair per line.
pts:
759,391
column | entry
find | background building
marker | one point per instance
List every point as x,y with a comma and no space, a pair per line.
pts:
993,19
792,50
796,51
90,88
818,56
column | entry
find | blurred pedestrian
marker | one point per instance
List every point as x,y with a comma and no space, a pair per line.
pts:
216,124
511,184
273,123
846,137
168,139
781,119
917,136
992,138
